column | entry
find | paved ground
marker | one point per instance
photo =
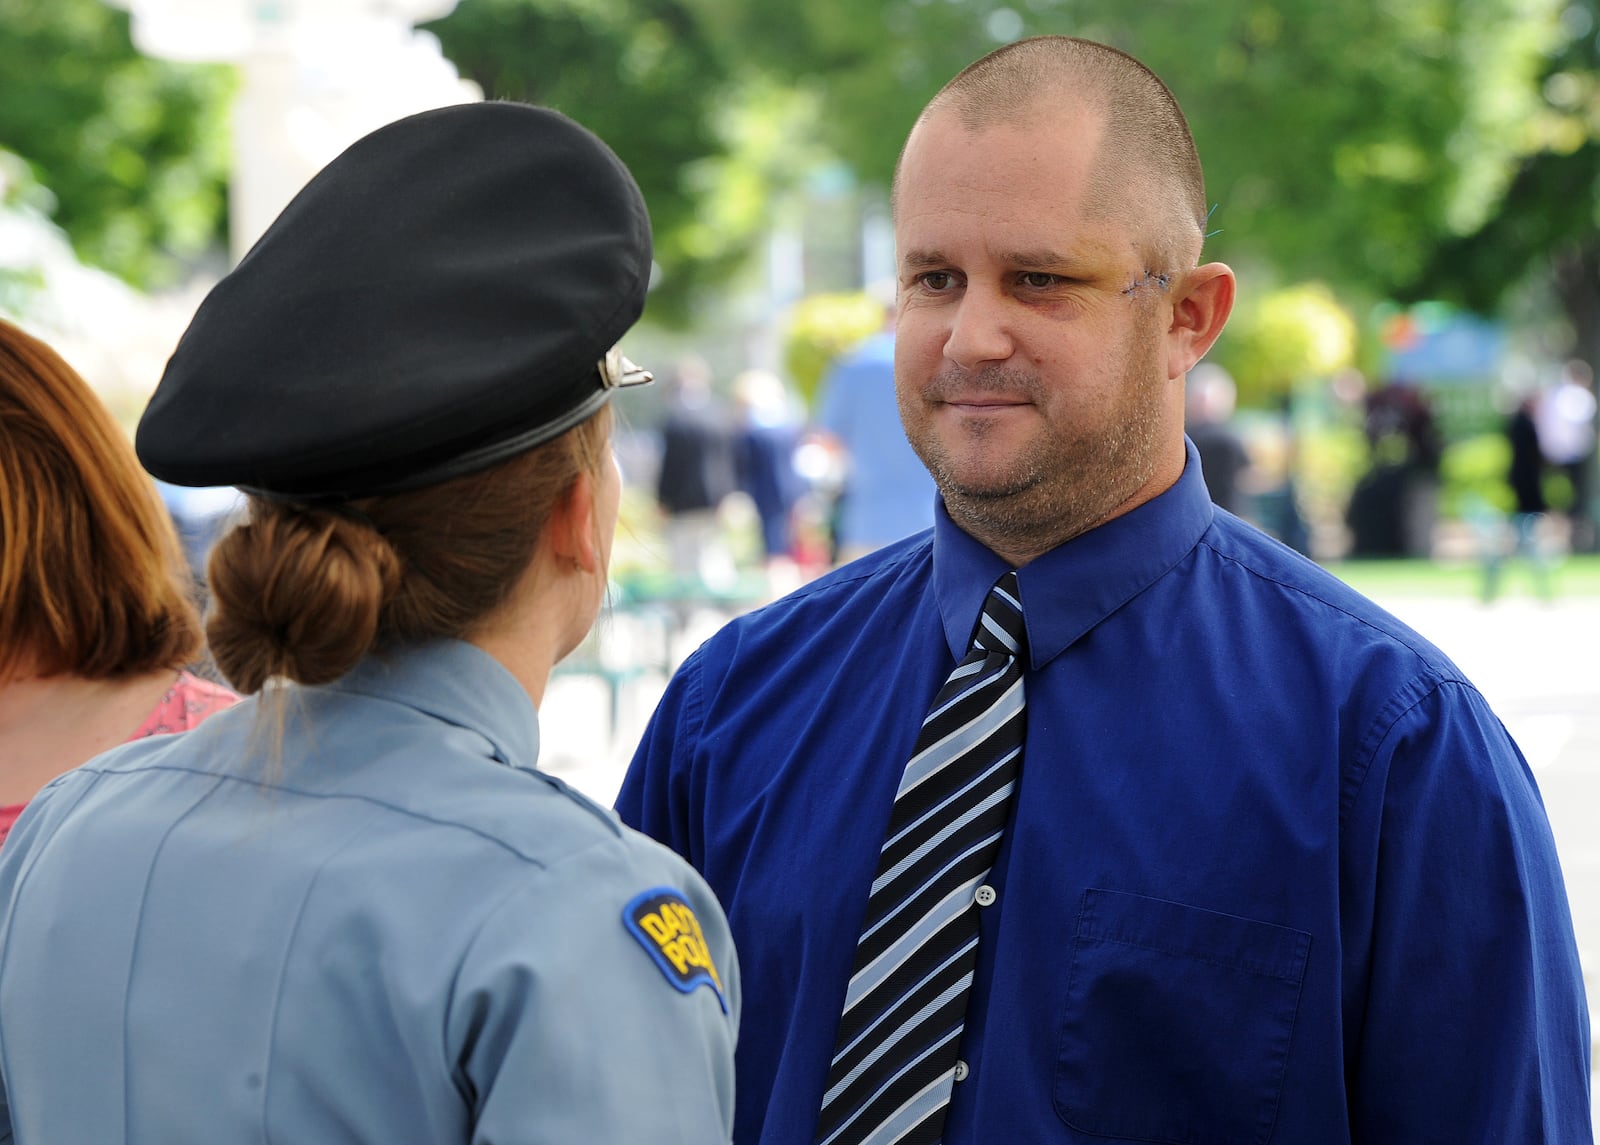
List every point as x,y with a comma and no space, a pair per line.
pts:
1539,665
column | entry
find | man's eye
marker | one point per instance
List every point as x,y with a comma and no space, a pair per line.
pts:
937,280
1039,280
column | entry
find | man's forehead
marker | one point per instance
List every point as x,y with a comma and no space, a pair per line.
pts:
947,147
996,193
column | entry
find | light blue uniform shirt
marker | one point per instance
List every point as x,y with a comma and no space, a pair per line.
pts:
404,934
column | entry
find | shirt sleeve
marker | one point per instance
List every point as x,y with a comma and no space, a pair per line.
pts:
653,797
1472,1024
600,1004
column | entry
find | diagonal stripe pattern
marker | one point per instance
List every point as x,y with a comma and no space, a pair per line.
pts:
894,1060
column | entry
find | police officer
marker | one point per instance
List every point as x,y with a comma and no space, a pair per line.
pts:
351,909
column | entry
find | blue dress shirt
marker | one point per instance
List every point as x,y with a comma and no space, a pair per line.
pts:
399,933
1274,873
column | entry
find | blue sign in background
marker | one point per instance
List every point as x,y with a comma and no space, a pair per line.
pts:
1456,347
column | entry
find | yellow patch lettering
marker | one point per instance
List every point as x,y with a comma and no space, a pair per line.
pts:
668,927
657,927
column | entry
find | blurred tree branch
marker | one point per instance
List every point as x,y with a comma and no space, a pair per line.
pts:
1547,223
133,151
1429,147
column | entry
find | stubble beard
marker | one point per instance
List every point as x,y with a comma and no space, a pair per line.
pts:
1065,482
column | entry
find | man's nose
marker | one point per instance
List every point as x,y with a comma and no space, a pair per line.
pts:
980,331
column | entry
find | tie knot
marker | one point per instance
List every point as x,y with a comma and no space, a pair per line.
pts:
1000,628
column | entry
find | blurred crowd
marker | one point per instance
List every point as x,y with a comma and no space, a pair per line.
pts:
753,491
819,486
1527,490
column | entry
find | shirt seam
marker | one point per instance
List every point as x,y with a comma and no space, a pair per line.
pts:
283,787
1398,637
516,890
32,860
283,970
138,943
1428,680
695,718
454,1068
1380,736
847,576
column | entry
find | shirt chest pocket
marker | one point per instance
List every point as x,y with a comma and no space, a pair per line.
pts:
1178,1022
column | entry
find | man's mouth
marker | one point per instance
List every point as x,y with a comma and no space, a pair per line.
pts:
984,403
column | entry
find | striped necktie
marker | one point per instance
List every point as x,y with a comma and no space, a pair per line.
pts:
895,1059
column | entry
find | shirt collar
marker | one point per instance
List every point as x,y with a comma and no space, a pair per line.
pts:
1073,587
460,684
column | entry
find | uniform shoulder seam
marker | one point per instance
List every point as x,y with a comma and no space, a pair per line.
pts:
385,804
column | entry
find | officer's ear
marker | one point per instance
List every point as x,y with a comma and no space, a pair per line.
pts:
1201,301
574,527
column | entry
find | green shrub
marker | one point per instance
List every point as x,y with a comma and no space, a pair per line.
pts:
820,328
1472,475
1330,460
1282,337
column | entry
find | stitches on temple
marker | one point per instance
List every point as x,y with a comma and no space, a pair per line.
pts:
1151,278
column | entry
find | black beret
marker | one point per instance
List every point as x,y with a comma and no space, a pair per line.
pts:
445,294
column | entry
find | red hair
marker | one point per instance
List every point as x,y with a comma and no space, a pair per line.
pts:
92,577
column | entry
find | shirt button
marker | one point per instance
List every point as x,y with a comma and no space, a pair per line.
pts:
984,897
962,1071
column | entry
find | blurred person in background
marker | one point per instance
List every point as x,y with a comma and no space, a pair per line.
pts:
695,476
766,436
1525,477
1394,506
1277,509
886,493
201,516
351,908
1565,418
97,615
1209,397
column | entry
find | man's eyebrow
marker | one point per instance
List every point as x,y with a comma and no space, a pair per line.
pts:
1041,257
1046,258
924,259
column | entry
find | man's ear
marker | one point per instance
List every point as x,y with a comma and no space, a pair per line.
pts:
1200,308
572,526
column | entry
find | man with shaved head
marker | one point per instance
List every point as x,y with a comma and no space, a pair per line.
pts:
1093,814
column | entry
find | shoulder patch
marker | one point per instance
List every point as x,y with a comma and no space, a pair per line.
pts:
665,925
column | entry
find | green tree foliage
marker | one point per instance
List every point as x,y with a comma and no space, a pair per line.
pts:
1546,225
20,194
1345,140
132,150
1342,138
819,329
1282,337
648,78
